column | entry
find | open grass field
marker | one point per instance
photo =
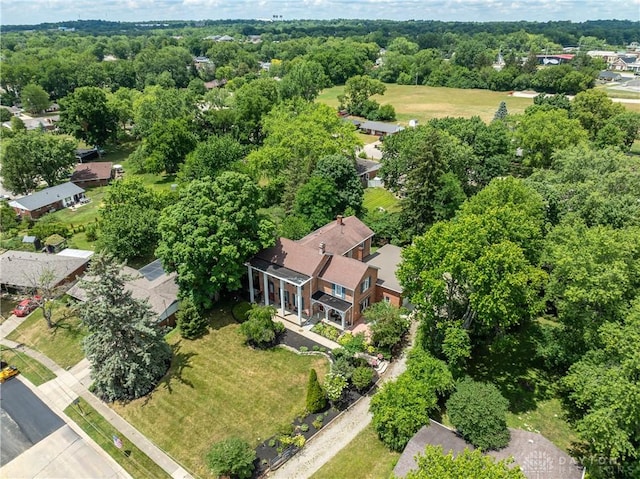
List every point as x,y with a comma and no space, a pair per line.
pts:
62,343
364,458
33,370
375,198
425,102
218,387
132,459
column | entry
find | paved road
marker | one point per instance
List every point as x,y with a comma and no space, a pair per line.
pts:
24,420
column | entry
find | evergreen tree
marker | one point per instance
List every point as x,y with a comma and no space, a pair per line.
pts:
502,112
191,323
316,399
126,349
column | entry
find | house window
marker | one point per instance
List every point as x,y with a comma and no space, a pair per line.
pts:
364,304
365,284
338,291
387,299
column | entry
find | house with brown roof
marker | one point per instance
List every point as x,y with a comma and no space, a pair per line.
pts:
323,275
98,173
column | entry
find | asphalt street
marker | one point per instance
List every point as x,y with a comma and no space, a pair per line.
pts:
24,420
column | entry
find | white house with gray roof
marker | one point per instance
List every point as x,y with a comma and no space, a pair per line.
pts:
47,200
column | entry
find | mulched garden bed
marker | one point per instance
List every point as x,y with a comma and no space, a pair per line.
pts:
296,341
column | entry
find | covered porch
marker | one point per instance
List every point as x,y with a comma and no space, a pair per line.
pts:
274,285
336,311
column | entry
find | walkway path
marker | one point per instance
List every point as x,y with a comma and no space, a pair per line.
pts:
339,433
68,385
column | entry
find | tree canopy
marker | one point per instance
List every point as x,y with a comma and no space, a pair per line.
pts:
85,114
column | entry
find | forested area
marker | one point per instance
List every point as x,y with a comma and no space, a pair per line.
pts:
523,229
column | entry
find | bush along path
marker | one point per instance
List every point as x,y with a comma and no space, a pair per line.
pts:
334,436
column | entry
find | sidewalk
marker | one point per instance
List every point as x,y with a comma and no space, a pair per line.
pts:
68,385
332,438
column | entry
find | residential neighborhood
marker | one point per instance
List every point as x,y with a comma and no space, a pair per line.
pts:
318,249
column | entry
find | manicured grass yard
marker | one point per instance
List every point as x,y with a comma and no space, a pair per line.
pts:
364,458
375,198
31,369
425,102
132,459
216,388
62,343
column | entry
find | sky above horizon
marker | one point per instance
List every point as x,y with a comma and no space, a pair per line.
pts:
31,12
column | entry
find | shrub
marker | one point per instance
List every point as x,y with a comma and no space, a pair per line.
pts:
317,424
304,427
92,232
316,399
388,326
272,442
190,322
232,457
286,429
478,411
353,344
45,228
343,367
260,329
334,386
362,378
240,311
326,330
304,349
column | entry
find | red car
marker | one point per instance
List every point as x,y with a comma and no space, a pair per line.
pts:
26,306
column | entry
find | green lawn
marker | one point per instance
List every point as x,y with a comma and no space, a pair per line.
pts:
218,387
132,459
364,458
31,369
424,102
375,198
62,343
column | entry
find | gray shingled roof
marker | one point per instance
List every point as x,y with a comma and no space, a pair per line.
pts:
381,126
47,196
387,259
21,269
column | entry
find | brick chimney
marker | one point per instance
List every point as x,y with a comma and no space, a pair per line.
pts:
339,219
321,249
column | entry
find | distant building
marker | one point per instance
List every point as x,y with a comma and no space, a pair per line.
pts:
47,200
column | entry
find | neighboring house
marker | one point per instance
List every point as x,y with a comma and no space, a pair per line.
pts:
47,200
386,260
609,76
555,59
150,283
87,154
21,270
92,174
368,172
44,123
323,275
379,128
537,457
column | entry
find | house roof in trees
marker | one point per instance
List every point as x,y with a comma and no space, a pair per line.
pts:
340,236
161,292
96,171
22,269
46,197
366,166
388,128
607,75
538,457
387,259
434,434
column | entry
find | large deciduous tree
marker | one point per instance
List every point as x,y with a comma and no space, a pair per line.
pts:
34,98
212,157
129,219
166,146
357,93
125,346
602,394
342,171
593,108
478,271
304,78
85,114
31,155
208,234
403,406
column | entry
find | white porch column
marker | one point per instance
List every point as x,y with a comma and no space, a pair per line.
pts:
299,305
265,283
251,292
282,296
342,315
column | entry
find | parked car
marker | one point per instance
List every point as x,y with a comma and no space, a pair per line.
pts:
8,372
26,306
